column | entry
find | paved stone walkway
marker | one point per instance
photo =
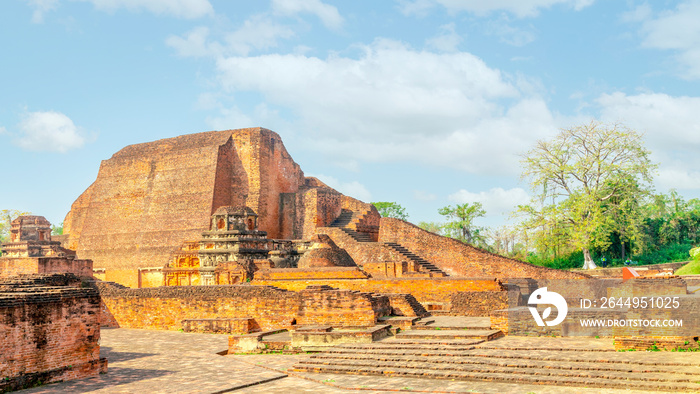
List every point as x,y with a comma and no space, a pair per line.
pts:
145,361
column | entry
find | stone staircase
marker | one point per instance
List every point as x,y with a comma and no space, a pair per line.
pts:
347,221
344,221
469,355
425,264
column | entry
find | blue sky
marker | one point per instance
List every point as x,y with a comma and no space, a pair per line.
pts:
422,102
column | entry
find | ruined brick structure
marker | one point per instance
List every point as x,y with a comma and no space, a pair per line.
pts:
147,220
31,251
267,307
50,331
230,252
149,198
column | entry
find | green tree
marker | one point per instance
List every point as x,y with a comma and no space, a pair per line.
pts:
460,223
57,230
576,177
391,210
433,227
6,218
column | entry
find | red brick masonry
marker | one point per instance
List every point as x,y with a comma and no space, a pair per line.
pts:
49,331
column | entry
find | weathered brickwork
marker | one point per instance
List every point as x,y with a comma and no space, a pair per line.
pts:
150,198
165,308
406,305
425,290
318,273
44,265
219,326
656,343
477,303
460,259
31,251
50,331
646,270
342,308
362,253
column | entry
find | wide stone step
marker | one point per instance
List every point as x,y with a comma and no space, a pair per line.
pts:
452,334
378,348
533,377
641,358
686,373
430,352
430,365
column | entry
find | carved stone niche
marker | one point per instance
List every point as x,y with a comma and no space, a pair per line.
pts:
234,218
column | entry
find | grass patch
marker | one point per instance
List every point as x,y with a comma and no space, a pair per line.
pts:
692,268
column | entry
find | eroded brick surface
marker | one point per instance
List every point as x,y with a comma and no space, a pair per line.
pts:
49,331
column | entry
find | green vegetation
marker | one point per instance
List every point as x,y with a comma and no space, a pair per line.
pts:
692,268
588,183
433,227
57,230
461,221
391,210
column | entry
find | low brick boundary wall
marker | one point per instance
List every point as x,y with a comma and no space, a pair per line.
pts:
50,331
219,326
164,308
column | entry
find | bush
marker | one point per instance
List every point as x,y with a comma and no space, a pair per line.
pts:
569,261
668,254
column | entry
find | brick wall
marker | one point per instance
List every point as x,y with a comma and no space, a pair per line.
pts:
164,308
10,267
306,274
477,303
424,289
149,198
50,331
342,308
459,259
361,252
320,205
519,321
643,270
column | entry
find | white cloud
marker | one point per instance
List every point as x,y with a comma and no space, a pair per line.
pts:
671,131
328,14
194,43
187,9
394,103
447,41
503,29
678,178
259,32
496,201
262,115
422,195
676,30
41,7
3,130
519,8
49,131
353,189
638,14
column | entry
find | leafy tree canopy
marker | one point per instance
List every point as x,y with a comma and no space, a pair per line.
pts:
391,210
587,181
460,223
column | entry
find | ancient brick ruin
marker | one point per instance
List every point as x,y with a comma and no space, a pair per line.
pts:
145,219
50,330
31,251
222,232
